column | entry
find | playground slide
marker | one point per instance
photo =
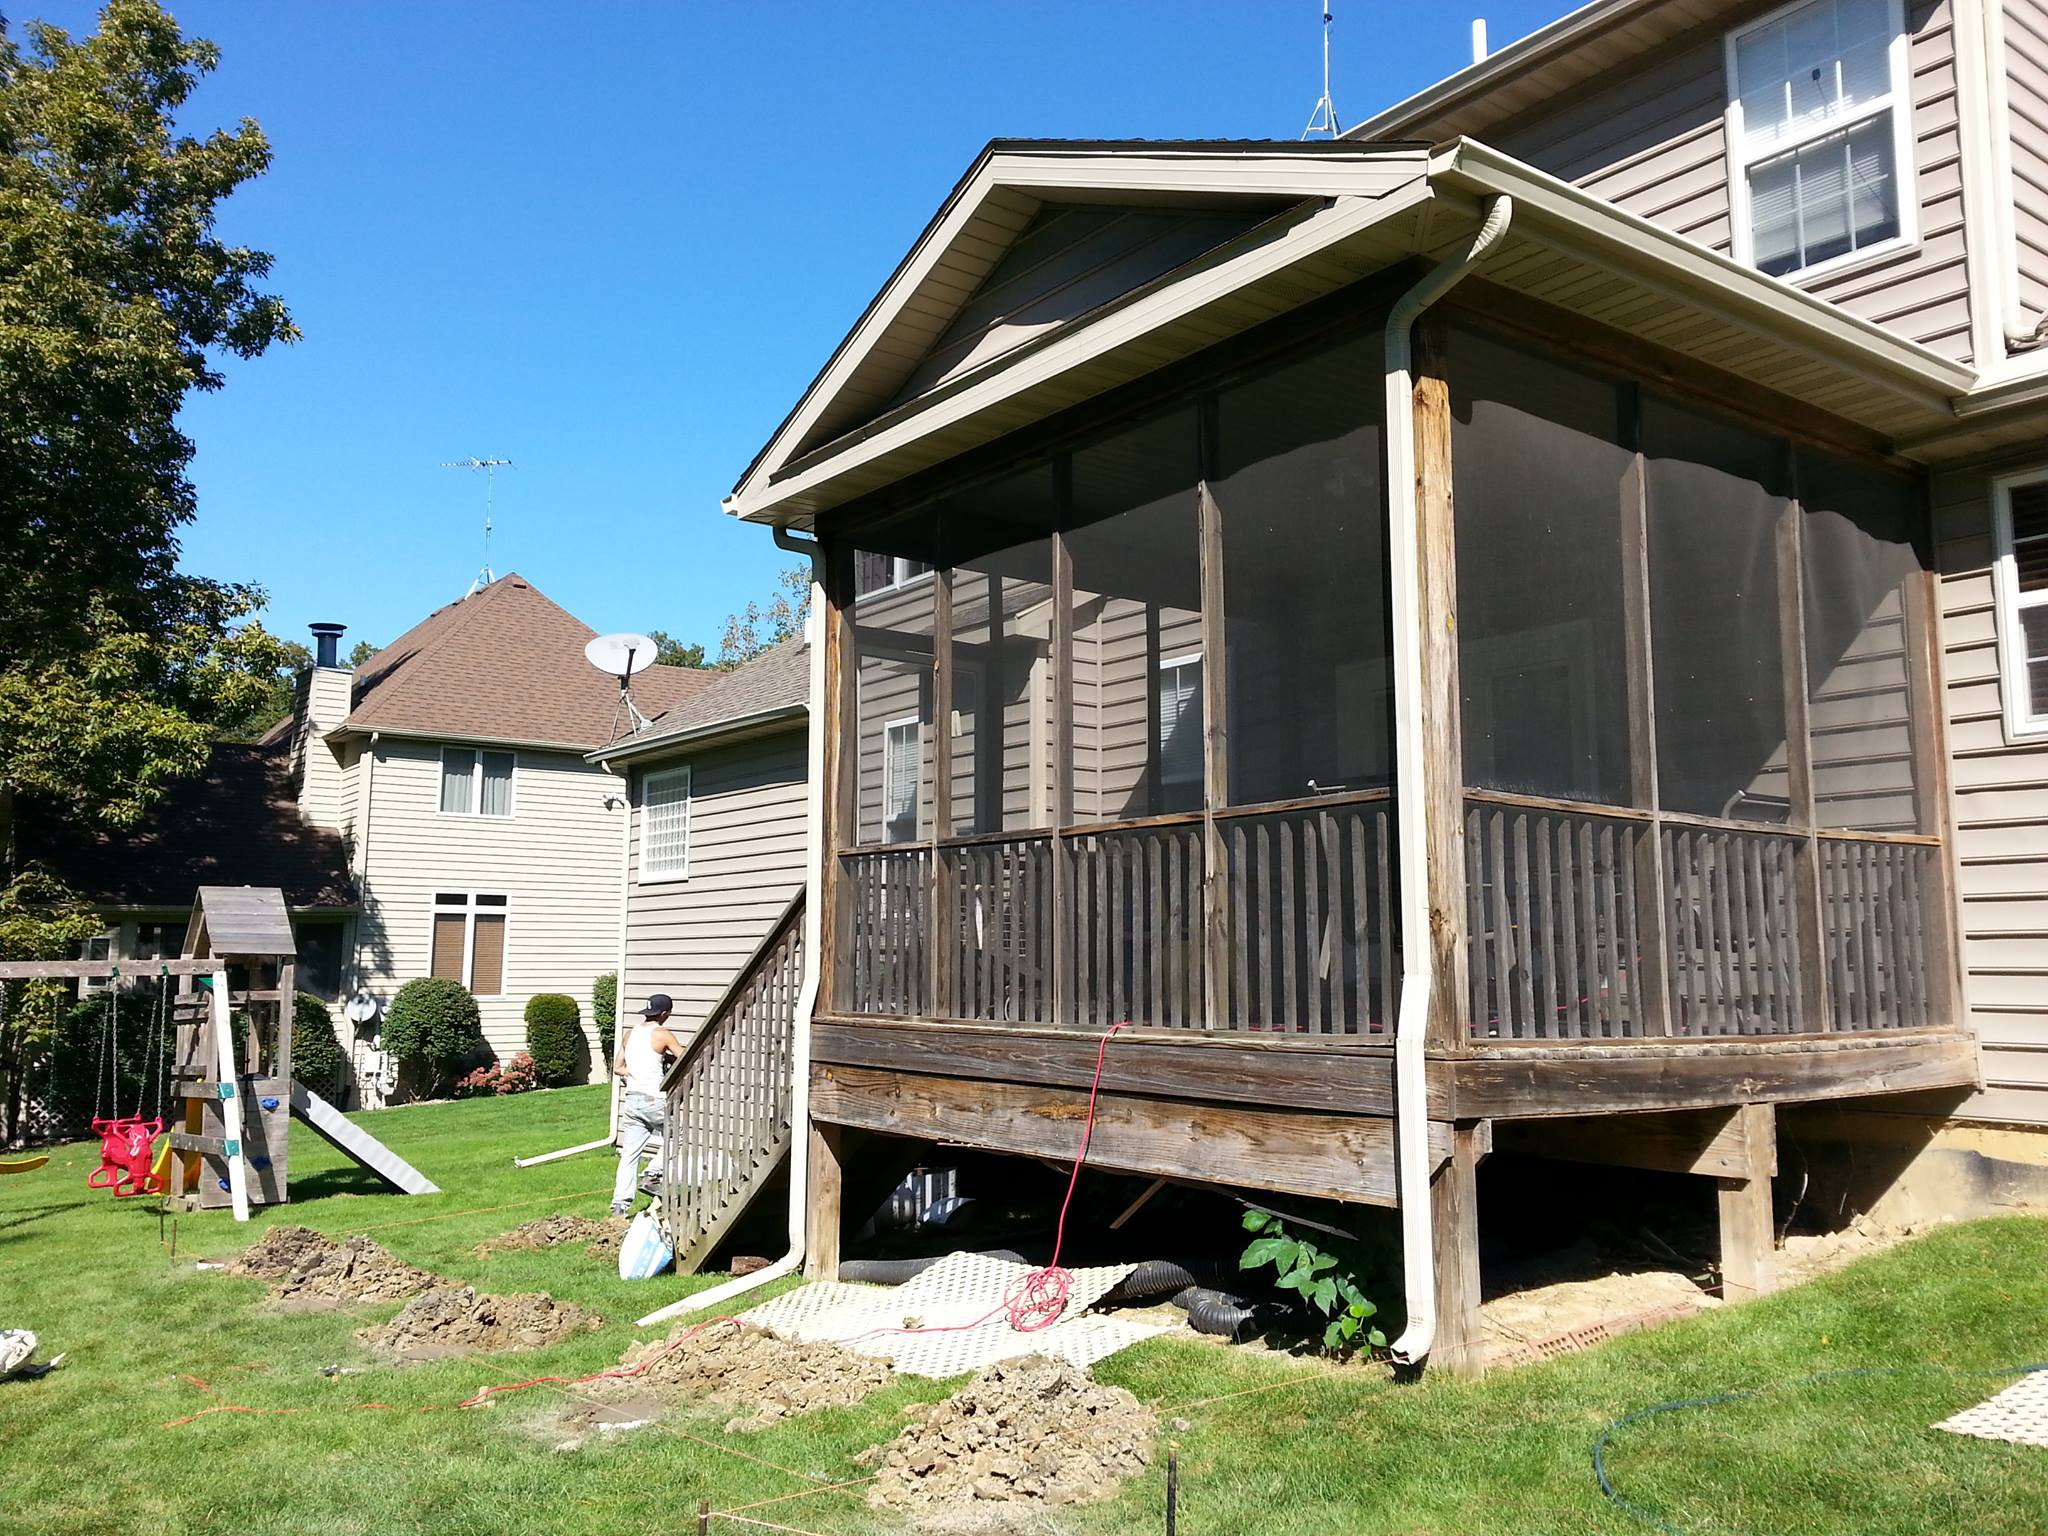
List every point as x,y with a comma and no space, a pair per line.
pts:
339,1132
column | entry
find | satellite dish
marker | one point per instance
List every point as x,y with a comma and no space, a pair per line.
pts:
363,1008
620,656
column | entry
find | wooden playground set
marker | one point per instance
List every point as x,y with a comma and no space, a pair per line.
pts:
229,998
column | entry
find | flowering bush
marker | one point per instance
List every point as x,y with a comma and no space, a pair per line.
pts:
514,1076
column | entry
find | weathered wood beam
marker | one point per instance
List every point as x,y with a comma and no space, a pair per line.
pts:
1748,1232
1215,767
823,1199
1711,1142
1650,984
1331,1157
1460,1344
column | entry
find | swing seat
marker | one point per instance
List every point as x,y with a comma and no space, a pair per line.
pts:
24,1164
126,1145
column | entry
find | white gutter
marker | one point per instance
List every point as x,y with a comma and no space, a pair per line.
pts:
807,993
2017,329
1411,810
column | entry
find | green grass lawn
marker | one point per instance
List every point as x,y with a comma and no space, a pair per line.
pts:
1299,1448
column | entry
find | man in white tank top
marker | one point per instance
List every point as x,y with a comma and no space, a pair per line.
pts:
641,1061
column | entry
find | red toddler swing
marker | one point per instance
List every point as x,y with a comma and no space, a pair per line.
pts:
127,1141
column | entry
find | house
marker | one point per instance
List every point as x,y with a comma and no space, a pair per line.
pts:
452,765
1513,628
235,824
716,850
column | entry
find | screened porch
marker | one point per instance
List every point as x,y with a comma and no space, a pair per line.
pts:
1111,738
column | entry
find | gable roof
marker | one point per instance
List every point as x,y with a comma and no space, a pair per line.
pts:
1178,206
772,690
503,664
235,824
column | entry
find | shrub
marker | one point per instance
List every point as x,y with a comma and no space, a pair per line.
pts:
317,1060
515,1076
1326,1288
604,1012
433,1024
554,1037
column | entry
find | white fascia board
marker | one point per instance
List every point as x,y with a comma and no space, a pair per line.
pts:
1572,220
631,749
1345,217
1093,171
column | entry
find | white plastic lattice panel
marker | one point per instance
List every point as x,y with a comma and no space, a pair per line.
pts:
951,1318
2018,1415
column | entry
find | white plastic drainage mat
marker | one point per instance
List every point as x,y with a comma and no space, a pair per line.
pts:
922,1327
2018,1415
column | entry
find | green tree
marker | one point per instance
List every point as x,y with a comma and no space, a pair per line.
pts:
361,652
671,652
117,299
755,629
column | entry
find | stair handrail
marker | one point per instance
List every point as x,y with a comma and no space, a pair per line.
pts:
741,978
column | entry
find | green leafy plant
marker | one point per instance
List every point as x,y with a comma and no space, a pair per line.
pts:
1328,1289
514,1076
316,1052
433,1024
554,1037
604,1009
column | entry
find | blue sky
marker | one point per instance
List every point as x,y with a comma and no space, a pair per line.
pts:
613,242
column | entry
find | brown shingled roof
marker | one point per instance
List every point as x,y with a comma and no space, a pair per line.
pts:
504,664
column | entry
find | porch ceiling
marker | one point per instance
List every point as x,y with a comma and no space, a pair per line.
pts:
1351,217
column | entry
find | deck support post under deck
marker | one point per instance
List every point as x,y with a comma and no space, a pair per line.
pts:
824,1202
1748,1230
1460,1346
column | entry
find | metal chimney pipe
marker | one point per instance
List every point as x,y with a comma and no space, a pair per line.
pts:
326,641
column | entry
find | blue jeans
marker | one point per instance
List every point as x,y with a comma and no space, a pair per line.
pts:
640,1122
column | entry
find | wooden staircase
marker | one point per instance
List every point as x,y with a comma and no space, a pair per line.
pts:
728,1114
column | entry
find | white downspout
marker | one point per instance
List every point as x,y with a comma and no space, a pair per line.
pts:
2020,330
1411,812
807,992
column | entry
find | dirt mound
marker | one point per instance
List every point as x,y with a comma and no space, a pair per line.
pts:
777,1379
454,1319
305,1266
601,1239
1031,1431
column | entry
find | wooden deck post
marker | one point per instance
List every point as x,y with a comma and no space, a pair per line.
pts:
824,1201
1454,1221
1748,1262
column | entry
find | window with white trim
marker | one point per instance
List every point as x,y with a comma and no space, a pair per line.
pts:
1820,135
874,571
1180,732
665,825
2020,578
902,760
468,942
476,783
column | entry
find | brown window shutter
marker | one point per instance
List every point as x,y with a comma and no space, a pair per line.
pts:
488,966
448,945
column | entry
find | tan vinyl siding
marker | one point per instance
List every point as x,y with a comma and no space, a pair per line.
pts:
2000,801
689,937
555,859
2026,84
1652,141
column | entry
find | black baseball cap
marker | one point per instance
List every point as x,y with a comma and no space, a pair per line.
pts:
657,1005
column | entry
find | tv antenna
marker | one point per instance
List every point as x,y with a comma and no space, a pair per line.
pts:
621,656
490,467
1324,118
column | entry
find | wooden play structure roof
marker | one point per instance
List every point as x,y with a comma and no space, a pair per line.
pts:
239,920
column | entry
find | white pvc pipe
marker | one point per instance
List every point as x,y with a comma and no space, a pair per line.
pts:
806,999
1411,812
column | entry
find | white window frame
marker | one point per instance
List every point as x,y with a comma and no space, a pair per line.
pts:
901,576
502,907
2014,687
889,729
648,781
1898,102
1173,664
476,811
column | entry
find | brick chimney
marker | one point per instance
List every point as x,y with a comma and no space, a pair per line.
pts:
325,700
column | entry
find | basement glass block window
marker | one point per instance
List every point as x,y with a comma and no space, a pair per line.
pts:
1137,606
665,825
1540,474
1718,492
475,783
1818,124
2021,582
893,638
997,736
1304,578
1861,570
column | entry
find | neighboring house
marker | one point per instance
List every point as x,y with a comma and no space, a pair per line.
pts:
1633,450
236,824
453,765
716,849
